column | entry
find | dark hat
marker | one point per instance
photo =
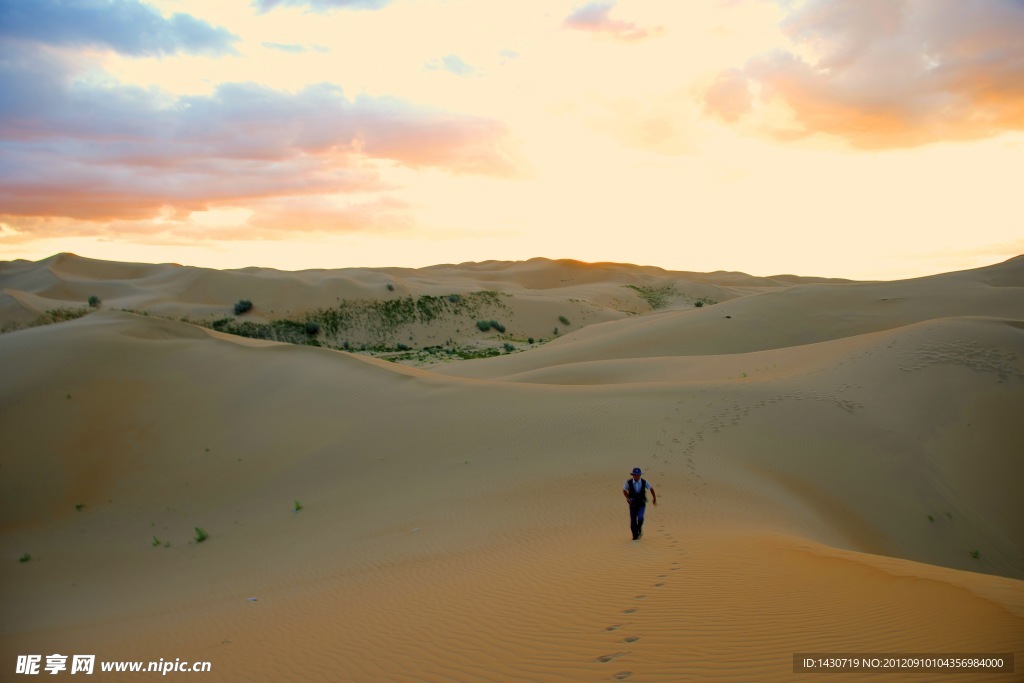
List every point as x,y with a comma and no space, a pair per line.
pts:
636,470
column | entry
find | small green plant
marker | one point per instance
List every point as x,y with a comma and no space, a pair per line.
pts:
201,535
391,287
976,554
312,328
243,306
298,505
94,301
564,320
931,519
156,541
508,347
484,325
79,506
555,331
25,558
529,340
698,304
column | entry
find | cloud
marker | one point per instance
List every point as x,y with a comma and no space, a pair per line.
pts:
729,96
453,64
126,26
295,48
595,17
887,74
320,5
663,124
262,219
284,216
91,152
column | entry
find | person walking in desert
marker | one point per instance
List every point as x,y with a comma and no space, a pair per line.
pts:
635,490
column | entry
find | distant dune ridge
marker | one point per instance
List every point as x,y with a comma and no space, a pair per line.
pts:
530,297
838,467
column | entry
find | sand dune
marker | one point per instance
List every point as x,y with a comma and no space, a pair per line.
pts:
787,317
837,466
532,296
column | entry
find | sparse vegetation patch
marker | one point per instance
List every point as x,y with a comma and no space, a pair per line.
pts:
656,296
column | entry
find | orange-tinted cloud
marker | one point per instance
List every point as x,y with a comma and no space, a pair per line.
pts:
889,73
729,96
261,219
286,216
105,152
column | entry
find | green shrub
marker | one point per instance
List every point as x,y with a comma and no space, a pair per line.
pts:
59,315
391,287
94,301
564,320
25,558
312,328
655,296
483,325
243,306
201,535
509,348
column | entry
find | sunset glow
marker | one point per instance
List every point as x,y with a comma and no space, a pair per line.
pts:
865,139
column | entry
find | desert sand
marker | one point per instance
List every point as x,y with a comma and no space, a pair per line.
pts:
838,468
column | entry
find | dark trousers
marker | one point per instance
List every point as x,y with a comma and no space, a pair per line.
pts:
636,519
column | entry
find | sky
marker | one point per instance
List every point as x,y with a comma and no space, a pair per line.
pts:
866,139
